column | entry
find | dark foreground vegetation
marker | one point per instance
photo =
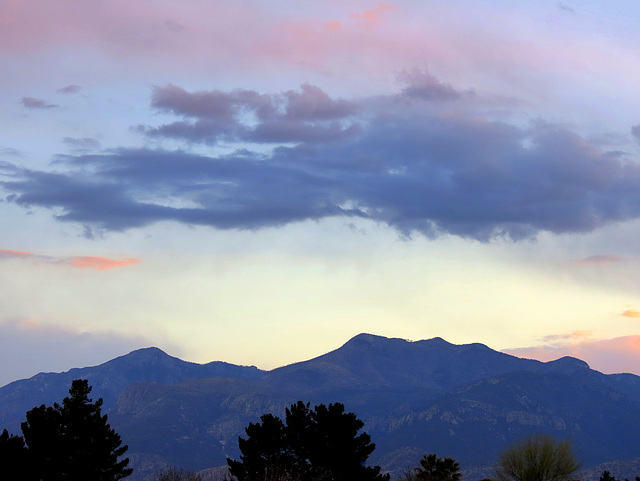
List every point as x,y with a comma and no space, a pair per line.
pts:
310,445
74,442
71,442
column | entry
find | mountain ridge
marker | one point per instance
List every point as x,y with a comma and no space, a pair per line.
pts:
465,401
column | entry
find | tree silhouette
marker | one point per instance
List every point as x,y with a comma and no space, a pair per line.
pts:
13,454
73,442
265,454
433,468
314,444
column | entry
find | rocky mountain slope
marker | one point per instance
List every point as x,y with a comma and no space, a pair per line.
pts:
464,401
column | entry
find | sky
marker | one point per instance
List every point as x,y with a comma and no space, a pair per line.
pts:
259,181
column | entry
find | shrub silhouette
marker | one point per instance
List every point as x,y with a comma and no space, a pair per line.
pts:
433,468
537,458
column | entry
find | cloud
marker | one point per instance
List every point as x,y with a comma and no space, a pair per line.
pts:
10,151
372,18
631,313
427,171
572,336
101,263
422,85
566,8
69,89
9,254
621,354
28,347
81,144
80,262
599,260
306,116
33,103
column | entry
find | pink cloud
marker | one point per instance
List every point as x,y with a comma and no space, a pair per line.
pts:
9,254
209,36
101,263
373,17
575,335
80,262
620,354
334,26
631,313
601,259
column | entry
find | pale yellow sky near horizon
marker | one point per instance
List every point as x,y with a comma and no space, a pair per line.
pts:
279,303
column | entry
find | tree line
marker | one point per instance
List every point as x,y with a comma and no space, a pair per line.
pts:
73,441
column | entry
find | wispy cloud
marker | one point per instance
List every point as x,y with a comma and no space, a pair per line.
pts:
602,259
80,262
10,254
373,17
566,8
631,313
564,338
10,151
101,263
34,103
69,89
81,144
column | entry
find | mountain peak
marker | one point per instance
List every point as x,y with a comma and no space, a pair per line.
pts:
365,339
568,364
147,352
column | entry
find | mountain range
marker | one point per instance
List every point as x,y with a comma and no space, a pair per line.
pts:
463,401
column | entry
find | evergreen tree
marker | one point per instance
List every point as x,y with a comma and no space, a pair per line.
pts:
313,445
336,447
74,442
13,455
264,452
43,435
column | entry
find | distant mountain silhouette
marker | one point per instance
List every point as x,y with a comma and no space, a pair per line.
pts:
110,379
464,401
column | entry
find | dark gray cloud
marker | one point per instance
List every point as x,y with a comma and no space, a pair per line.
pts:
416,170
33,103
309,115
635,130
69,89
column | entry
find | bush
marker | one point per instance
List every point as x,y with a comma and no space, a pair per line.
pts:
537,458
